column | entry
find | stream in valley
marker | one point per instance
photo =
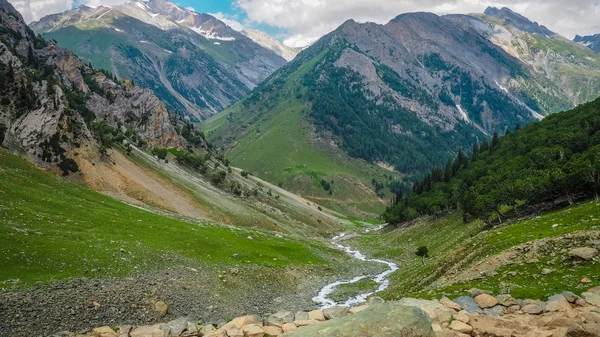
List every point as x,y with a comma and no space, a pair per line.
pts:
322,298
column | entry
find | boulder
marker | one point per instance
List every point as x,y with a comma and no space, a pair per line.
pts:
513,309
287,327
461,316
506,300
253,330
192,328
301,316
335,312
497,310
273,331
450,304
532,309
557,303
104,331
161,308
280,318
207,329
124,330
241,321
436,311
571,297
316,315
585,280
357,309
148,331
584,253
486,301
469,305
232,332
176,327
594,290
305,322
461,327
591,298
381,320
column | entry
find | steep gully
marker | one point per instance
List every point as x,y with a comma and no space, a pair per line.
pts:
381,279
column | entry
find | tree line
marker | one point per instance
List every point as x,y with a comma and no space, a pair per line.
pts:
551,161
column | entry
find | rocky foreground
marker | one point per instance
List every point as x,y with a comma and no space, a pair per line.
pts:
481,314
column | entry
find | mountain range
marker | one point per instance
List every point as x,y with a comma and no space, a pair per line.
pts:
194,62
404,96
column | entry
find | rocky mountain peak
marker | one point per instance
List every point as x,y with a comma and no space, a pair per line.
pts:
518,21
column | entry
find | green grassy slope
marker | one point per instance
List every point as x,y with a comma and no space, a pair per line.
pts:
279,145
455,246
53,229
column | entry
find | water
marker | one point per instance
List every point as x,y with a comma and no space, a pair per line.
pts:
381,279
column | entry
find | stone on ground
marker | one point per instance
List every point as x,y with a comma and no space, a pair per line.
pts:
584,253
287,327
461,316
506,300
233,332
591,298
104,331
306,322
436,311
381,320
301,316
161,308
280,318
497,310
461,327
486,301
532,309
242,321
558,303
450,304
316,315
469,305
147,331
273,331
253,330
335,312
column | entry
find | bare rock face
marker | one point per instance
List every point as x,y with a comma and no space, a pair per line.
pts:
50,99
584,253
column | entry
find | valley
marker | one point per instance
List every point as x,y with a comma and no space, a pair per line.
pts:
162,175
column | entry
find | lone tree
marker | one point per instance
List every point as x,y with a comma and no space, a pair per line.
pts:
423,252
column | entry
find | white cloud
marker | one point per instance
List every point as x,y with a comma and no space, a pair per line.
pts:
307,20
229,20
33,10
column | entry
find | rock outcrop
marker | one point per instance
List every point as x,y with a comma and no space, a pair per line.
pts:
51,102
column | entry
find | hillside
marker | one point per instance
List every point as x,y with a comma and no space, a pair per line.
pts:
403,96
194,62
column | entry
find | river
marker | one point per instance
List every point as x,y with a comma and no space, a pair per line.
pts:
381,279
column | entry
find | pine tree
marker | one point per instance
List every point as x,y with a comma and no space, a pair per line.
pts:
494,142
475,154
518,127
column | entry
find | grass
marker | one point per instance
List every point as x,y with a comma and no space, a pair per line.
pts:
454,244
53,229
278,144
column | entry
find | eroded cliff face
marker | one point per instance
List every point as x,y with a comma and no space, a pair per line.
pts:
50,100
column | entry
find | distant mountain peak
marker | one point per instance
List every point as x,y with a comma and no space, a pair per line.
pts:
517,20
590,41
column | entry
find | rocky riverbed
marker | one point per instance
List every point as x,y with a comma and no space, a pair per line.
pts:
479,315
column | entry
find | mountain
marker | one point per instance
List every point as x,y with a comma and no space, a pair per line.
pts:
53,106
518,21
194,62
270,43
590,41
404,96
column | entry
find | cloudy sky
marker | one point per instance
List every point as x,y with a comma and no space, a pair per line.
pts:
300,22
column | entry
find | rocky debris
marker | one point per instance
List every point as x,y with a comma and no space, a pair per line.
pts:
486,301
584,253
564,315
